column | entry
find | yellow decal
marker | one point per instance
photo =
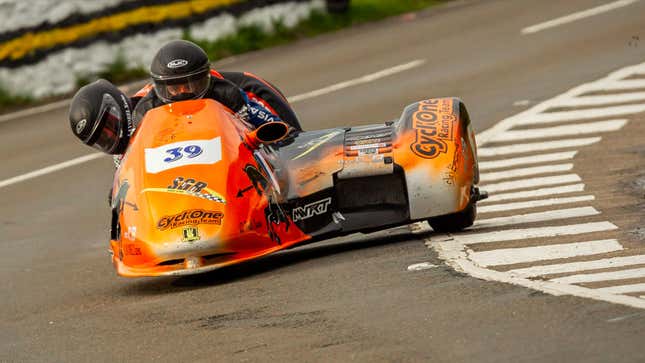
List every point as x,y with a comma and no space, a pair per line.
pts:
209,195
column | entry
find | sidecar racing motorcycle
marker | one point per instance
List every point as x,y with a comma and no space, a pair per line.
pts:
198,189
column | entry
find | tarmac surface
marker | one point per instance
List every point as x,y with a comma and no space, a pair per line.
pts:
351,299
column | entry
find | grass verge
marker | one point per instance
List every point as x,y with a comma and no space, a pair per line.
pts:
248,38
117,72
8,100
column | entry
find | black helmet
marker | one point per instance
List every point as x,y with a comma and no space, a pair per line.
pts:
100,115
180,71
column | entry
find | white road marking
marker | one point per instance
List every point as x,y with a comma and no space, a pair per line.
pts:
623,289
602,276
603,99
623,318
623,85
301,97
453,253
587,113
614,81
521,103
514,173
335,87
579,266
551,215
451,247
536,146
573,188
532,182
535,232
533,204
34,111
533,159
421,266
52,106
577,16
356,81
559,131
50,169
509,256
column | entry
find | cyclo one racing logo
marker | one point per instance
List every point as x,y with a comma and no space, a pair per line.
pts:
191,217
430,130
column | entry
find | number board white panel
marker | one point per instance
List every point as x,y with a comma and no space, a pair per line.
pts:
183,153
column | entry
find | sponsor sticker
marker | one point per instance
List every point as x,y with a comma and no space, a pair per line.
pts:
432,129
311,209
190,217
132,250
372,151
177,63
367,146
190,234
183,153
356,139
187,184
131,233
259,114
81,125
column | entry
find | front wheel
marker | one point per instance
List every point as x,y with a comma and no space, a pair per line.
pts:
456,221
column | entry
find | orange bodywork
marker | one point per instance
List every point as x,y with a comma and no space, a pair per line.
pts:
439,150
197,189
193,216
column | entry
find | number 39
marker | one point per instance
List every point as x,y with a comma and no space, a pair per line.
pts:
177,153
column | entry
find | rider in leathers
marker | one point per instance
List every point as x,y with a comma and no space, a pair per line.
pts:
102,117
180,70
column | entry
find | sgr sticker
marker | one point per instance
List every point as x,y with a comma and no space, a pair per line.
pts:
183,153
187,184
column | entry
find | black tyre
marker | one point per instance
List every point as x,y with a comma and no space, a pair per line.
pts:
456,221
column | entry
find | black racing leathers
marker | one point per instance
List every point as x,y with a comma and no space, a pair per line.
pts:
227,88
256,87
219,90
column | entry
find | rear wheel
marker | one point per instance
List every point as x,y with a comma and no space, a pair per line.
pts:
456,221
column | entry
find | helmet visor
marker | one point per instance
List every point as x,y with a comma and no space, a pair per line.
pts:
109,124
185,87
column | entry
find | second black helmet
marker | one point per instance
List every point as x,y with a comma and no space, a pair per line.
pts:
180,71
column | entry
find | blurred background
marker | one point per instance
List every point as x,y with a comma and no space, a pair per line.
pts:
50,48
341,64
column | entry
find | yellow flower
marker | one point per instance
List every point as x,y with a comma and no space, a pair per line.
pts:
30,42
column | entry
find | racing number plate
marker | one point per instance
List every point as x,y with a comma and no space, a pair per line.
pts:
183,153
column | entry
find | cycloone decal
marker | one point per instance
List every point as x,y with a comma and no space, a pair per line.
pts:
190,217
183,153
431,131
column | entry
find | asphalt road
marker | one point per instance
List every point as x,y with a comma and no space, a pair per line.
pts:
342,300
